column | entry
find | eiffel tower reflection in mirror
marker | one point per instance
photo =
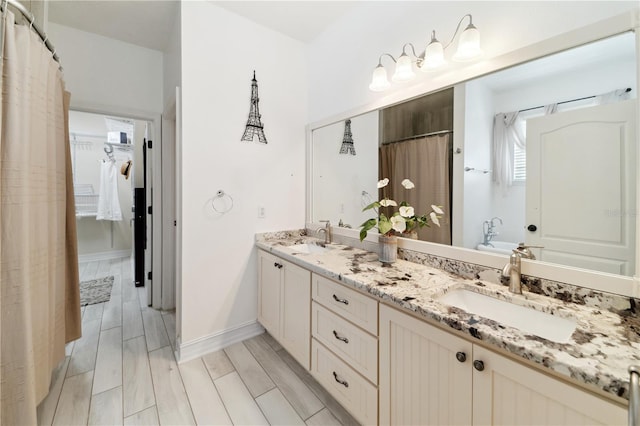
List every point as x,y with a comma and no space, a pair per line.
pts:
254,125
347,141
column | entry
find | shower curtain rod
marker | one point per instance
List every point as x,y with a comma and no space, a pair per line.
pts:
566,102
25,12
424,135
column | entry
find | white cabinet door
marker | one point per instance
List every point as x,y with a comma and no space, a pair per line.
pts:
508,393
269,274
295,313
421,380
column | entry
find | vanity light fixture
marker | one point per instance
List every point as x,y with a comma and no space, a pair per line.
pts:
431,59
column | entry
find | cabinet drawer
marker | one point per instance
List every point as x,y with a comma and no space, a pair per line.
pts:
355,346
351,390
357,308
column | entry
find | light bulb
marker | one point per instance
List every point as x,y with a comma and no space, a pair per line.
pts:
468,45
433,55
404,69
379,80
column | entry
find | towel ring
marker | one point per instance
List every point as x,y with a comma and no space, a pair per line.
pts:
221,195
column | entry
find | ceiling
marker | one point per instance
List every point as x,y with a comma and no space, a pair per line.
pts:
300,20
610,50
144,23
148,23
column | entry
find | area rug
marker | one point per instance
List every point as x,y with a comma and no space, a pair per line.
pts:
95,291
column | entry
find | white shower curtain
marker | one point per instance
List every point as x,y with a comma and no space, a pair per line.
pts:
39,288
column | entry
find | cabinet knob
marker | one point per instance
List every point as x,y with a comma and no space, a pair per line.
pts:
278,265
342,382
337,299
532,228
344,339
478,365
461,356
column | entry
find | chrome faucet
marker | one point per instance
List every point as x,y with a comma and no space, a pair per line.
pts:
326,230
513,268
341,224
488,229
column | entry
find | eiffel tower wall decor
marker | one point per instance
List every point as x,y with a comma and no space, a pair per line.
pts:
254,124
347,140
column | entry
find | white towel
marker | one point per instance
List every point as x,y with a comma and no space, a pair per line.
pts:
108,200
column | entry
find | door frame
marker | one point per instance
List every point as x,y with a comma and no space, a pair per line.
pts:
169,205
156,219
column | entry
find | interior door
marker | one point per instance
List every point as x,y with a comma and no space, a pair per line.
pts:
581,187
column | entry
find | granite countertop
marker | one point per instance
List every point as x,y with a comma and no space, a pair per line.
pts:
598,353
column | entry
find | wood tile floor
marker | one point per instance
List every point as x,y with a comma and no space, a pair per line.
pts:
123,371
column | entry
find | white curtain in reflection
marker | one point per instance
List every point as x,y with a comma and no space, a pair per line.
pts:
612,97
550,109
506,135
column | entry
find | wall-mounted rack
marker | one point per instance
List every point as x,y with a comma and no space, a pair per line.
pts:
473,169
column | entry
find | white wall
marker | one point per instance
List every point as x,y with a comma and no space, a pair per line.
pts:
220,50
597,79
339,179
478,131
108,74
342,59
171,63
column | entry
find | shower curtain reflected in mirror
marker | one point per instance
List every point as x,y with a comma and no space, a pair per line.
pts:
426,162
39,287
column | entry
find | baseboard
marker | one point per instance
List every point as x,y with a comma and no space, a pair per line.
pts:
105,255
214,342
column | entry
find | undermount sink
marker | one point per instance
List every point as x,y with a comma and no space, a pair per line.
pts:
528,320
309,248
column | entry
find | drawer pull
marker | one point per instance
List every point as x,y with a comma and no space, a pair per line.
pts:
342,382
337,299
344,339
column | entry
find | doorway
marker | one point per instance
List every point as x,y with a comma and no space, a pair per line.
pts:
111,178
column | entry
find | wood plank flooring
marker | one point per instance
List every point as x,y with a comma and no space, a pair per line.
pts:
123,371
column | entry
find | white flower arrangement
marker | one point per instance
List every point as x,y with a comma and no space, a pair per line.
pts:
404,220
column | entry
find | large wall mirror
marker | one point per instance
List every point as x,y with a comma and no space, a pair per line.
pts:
543,152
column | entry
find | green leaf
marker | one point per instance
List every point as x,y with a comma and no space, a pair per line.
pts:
423,221
384,225
365,228
404,204
373,205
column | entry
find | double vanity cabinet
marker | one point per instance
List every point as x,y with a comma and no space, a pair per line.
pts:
430,376
389,366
